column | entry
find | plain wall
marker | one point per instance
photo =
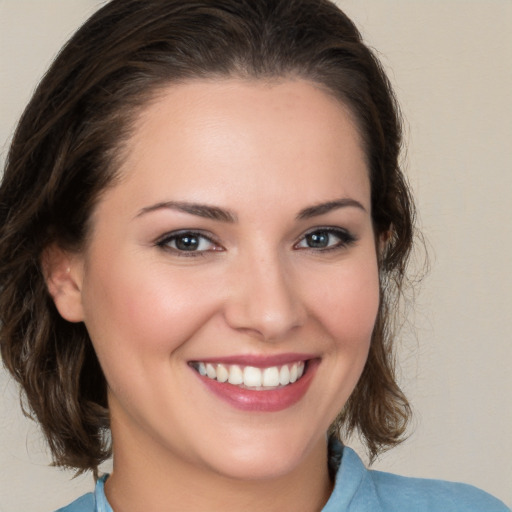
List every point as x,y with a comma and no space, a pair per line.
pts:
451,64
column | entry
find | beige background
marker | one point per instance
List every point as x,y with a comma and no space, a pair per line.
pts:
451,63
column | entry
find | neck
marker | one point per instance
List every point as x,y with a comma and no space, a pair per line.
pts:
146,478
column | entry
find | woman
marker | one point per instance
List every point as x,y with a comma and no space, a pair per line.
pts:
204,229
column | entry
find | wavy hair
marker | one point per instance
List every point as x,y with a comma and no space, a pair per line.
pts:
67,147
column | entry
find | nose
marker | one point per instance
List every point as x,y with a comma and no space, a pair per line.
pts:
263,300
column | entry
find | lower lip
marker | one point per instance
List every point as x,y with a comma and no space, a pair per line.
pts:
272,400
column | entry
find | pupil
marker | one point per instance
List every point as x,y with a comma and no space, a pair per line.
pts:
318,240
187,242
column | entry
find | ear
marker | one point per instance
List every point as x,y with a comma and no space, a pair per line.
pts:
63,273
383,241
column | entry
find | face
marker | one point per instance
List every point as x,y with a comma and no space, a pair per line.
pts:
230,285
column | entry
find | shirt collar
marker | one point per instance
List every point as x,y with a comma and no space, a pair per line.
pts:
354,490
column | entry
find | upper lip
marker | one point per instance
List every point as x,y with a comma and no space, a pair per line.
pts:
258,361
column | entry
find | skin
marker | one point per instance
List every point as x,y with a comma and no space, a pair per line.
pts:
264,152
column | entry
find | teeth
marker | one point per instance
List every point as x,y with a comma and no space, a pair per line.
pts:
271,377
284,376
293,373
222,373
210,371
201,368
235,375
252,377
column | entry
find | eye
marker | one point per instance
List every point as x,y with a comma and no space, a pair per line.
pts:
326,239
188,242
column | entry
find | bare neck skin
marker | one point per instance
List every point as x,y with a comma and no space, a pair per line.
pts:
145,477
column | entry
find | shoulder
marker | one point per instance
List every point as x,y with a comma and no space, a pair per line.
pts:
92,501
422,495
358,489
85,503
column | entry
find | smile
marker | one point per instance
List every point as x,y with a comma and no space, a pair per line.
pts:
251,377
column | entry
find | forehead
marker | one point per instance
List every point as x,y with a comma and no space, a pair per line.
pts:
205,136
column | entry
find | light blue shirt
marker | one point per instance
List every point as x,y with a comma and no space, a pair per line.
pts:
358,489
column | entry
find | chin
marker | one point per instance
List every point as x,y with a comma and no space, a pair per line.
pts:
259,468
267,457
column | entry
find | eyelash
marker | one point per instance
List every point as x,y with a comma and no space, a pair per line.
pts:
346,239
164,243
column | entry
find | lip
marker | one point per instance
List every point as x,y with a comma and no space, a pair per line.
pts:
271,400
261,361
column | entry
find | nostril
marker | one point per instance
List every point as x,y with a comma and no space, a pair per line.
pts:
263,301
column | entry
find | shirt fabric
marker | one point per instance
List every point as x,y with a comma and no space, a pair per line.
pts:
358,489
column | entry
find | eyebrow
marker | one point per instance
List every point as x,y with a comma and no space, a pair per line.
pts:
222,215
200,210
323,208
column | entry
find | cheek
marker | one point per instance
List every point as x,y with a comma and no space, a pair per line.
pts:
143,310
347,302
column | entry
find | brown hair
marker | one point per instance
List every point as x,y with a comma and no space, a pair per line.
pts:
66,150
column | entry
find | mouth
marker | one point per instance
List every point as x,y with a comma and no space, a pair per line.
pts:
256,384
252,377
